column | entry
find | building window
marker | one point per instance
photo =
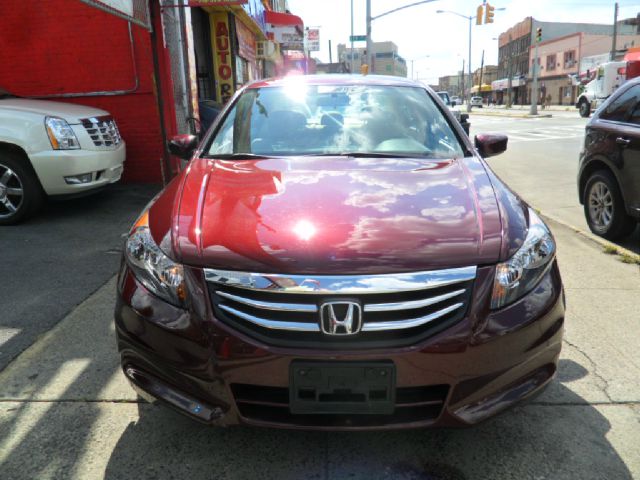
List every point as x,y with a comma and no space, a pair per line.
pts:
569,59
551,62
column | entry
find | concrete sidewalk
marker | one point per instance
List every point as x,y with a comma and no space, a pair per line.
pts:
67,412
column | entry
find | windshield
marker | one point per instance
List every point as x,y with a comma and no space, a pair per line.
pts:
445,97
306,119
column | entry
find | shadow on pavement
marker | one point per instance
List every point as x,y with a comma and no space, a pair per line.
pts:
60,257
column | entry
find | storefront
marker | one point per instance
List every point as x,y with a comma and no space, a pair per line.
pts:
500,91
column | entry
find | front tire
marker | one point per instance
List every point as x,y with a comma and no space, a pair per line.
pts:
604,207
20,192
585,109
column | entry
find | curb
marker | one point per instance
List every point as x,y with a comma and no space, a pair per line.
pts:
590,236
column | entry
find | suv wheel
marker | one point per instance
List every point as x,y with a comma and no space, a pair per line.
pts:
604,207
20,191
585,109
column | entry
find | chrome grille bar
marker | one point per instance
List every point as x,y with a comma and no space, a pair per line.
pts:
414,322
273,324
286,307
340,284
388,307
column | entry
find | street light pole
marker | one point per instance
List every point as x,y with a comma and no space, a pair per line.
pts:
369,53
351,37
534,89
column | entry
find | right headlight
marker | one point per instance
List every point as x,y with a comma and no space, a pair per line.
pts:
521,273
61,135
157,272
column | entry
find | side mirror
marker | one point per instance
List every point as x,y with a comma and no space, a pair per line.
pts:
489,144
453,104
183,146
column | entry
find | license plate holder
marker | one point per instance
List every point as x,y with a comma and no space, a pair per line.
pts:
350,388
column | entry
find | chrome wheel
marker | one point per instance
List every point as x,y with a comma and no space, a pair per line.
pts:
600,206
11,192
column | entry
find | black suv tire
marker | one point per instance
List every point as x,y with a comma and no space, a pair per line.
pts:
598,186
584,108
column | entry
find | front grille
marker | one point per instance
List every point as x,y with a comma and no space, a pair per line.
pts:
394,310
102,130
267,404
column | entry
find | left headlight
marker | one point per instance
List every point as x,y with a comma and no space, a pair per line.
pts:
157,272
61,135
521,273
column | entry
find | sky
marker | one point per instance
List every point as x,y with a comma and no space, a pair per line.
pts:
420,32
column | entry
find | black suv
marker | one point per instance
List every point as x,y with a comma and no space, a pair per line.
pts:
609,174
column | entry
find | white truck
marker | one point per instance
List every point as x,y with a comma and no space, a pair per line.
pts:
53,149
608,77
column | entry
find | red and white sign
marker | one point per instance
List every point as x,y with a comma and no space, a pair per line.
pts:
134,11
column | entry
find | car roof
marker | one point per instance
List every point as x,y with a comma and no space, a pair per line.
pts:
337,79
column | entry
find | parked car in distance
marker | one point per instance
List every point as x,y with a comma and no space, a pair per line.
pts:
456,100
609,173
360,268
53,149
463,118
476,102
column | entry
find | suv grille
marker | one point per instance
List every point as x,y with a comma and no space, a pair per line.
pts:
102,130
271,405
396,310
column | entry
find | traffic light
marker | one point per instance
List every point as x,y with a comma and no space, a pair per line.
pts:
479,15
488,15
538,34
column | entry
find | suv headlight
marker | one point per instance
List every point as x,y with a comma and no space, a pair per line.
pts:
61,134
157,272
521,273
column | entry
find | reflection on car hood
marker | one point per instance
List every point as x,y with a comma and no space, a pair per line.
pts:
337,215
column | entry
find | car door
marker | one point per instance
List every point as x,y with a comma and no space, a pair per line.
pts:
619,124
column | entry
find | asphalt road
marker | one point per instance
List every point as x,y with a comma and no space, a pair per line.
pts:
541,163
56,260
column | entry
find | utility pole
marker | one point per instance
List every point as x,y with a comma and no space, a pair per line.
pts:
615,33
469,67
534,88
369,43
510,73
330,56
462,73
481,69
351,54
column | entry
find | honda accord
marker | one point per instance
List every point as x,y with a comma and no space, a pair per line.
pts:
337,254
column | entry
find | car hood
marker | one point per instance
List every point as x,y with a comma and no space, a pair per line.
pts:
336,215
70,112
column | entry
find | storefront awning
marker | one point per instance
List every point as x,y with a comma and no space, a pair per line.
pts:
283,19
485,88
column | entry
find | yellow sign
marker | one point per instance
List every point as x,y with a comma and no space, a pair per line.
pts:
222,56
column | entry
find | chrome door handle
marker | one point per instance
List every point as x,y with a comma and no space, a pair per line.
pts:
623,141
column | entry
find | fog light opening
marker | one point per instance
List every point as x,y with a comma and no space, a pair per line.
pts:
78,179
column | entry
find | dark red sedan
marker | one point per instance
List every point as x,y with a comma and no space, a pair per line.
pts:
338,255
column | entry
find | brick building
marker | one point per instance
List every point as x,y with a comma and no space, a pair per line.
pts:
152,82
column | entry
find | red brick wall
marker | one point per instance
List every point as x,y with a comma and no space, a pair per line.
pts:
66,46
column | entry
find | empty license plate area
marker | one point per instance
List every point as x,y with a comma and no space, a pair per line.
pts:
342,387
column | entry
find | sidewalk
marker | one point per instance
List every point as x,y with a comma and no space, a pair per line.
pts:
66,410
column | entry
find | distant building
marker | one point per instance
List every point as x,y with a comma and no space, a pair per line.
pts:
451,84
386,60
563,59
335,67
515,46
489,75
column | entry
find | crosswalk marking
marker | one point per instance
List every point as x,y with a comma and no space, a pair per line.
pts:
531,133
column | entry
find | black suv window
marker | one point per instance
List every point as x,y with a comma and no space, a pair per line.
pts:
622,107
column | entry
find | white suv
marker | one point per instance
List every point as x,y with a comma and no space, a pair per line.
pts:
53,148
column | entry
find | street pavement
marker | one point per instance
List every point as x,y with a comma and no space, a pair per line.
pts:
57,259
67,412
541,164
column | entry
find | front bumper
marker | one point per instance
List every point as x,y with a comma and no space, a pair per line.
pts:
52,166
481,365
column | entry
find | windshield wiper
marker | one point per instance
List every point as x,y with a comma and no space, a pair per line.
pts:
237,156
370,155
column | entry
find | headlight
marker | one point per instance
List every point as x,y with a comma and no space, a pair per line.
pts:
60,134
157,272
521,273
